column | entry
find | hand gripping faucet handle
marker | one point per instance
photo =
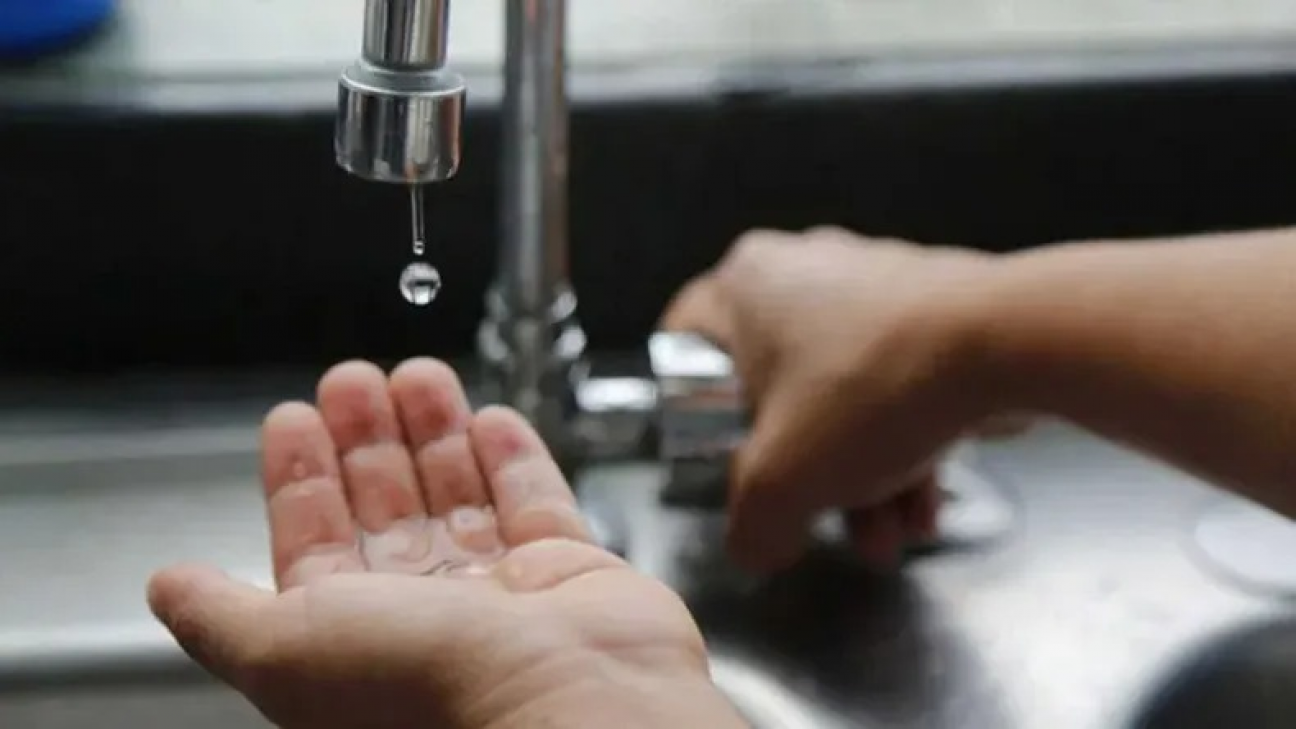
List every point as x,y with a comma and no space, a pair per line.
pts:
701,418
400,111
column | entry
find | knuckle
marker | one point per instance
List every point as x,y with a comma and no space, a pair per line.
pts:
752,244
830,232
190,632
749,254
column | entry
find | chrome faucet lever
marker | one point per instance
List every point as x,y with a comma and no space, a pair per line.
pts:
701,417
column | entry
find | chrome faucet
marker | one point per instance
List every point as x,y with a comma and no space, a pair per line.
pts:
400,114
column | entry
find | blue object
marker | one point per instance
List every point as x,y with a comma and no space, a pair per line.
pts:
30,27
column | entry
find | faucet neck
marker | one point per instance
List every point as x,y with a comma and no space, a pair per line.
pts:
531,341
533,250
406,34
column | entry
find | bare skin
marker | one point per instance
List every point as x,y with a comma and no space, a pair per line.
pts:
1183,349
865,359
433,571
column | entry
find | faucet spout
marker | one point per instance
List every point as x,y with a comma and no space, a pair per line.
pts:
400,111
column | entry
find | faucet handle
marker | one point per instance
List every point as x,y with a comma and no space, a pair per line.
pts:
702,417
702,412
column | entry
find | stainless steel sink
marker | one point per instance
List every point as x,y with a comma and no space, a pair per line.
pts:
1081,618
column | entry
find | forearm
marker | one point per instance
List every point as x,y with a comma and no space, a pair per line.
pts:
1185,349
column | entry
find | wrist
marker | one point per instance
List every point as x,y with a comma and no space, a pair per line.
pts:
957,324
1026,323
629,700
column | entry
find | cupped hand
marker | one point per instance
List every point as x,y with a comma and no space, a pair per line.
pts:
433,570
853,356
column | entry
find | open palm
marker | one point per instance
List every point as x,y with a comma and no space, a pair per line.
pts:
433,570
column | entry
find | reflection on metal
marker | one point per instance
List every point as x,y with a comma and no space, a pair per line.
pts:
1241,678
763,701
1250,545
976,511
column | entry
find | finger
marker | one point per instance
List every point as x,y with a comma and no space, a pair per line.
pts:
377,470
838,234
700,308
531,496
435,414
920,508
773,495
846,236
547,563
877,533
220,623
754,246
311,530
768,523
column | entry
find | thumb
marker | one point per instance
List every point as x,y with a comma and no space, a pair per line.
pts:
219,622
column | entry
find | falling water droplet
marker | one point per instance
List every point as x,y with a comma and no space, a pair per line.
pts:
420,283
418,225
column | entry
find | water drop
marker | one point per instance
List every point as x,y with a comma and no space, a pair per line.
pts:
417,225
420,283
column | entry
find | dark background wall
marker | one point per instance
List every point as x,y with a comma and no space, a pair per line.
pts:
219,239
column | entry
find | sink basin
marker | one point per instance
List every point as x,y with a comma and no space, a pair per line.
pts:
761,699
825,644
1243,678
